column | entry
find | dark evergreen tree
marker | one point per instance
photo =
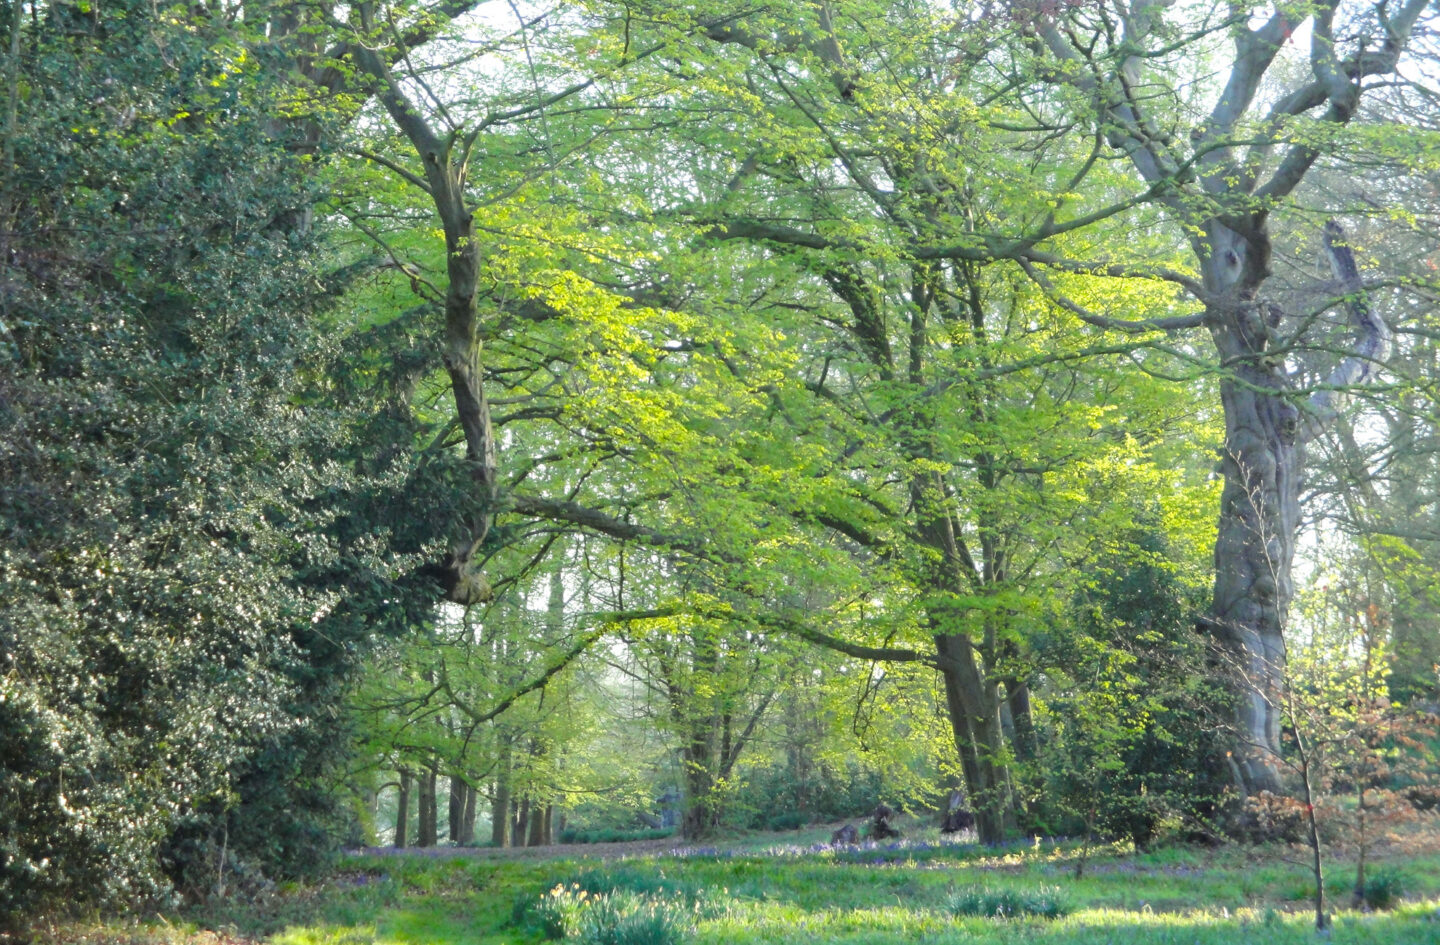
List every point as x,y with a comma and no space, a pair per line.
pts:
189,566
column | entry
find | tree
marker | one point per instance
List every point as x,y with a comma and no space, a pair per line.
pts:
1221,181
936,422
173,514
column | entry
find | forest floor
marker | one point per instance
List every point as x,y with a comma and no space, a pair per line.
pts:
792,887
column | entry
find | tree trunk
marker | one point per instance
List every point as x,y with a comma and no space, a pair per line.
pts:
548,832
467,816
699,818
1254,550
974,712
971,696
521,821
500,806
459,790
536,835
1259,506
446,163
429,809
402,810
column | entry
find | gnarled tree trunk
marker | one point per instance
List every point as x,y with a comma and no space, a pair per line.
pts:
1263,463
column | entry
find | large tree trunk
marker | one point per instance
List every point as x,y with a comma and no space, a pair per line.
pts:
1263,461
1259,506
699,818
972,697
1254,550
975,725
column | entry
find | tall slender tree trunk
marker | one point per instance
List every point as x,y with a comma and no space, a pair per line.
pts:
467,816
521,821
446,159
459,790
429,809
500,806
536,835
402,810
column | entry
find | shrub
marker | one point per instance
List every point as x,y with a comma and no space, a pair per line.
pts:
789,820
1045,902
619,907
1383,888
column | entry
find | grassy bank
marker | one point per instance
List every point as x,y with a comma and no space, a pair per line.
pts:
921,891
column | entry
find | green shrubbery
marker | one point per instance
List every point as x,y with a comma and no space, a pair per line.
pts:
1046,902
1383,889
617,908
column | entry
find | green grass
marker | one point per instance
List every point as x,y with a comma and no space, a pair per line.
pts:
775,893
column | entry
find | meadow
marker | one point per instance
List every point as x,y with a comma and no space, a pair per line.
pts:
795,888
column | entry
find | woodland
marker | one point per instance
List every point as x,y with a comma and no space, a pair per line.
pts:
451,423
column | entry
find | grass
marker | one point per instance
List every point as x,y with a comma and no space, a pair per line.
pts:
922,890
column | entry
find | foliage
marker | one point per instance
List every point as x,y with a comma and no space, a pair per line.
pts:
175,526
624,910
1130,732
1045,902
1383,889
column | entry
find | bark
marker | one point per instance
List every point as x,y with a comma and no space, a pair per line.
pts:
972,697
1263,465
975,725
535,836
446,165
699,818
428,834
402,810
459,791
500,807
521,819
467,816
1017,698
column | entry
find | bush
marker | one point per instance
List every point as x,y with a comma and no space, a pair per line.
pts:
618,907
790,820
1045,902
1383,888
